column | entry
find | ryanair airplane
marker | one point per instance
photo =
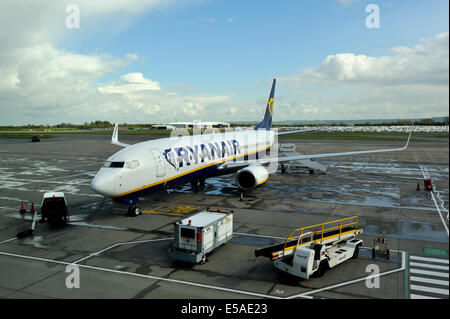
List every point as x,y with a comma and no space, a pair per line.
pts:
148,166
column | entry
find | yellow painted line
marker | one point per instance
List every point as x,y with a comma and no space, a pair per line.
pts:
160,213
182,209
153,210
188,172
175,201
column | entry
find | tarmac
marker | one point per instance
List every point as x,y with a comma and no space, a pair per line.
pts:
126,257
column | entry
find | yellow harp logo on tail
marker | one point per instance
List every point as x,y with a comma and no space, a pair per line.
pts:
270,105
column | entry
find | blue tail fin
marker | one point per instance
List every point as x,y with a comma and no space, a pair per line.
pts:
267,120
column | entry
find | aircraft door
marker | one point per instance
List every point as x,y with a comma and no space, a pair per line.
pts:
160,165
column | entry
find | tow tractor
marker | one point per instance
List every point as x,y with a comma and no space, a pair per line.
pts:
314,249
53,210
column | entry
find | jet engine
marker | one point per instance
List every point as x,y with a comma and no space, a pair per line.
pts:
251,177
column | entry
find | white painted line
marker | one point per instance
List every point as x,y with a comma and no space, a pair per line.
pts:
429,273
435,203
119,244
429,281
424,265
254,235
430,289
439,211
414,296
303,295
242,292
8,240
433,260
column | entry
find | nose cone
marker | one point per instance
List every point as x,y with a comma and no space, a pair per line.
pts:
104,184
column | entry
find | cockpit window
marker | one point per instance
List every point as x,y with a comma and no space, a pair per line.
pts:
132,164
129,164
114,164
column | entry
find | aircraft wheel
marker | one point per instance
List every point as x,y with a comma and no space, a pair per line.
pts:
356,252
322,268
134,211
194,185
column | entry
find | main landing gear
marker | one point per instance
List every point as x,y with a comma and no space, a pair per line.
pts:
197,183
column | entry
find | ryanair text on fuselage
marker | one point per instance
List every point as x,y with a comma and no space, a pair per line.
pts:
201,153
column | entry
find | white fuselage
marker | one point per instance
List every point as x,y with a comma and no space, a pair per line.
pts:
160,163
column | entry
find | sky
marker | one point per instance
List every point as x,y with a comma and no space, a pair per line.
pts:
159,61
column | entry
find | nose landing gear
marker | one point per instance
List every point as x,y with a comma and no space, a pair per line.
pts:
133,208
134,211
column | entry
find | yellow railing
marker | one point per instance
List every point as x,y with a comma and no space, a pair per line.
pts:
311,231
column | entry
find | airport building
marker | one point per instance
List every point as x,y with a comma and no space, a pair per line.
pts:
201,125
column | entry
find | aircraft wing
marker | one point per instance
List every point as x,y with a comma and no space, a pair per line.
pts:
302,157
297,131
268,160
115,137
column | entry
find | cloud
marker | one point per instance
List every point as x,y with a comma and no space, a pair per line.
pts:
424,64
411,82
130,83
229,20
346,3
43,83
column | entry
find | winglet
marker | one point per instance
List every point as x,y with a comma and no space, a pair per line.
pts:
407,142
115,137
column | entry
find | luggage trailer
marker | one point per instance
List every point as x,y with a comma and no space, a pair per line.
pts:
314,249
200,234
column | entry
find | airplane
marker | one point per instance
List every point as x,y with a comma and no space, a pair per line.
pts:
142,168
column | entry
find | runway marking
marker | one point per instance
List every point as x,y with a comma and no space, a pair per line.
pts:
414,296
426,284
189,283
155,210
427,272
402,268
8,240
435,203
45,181
442,261
423,265
160,213
429,281
119,244
255,235
430,289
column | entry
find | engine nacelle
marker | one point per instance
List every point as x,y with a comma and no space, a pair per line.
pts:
251,177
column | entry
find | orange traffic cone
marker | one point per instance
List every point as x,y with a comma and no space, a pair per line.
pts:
22,209
32,207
